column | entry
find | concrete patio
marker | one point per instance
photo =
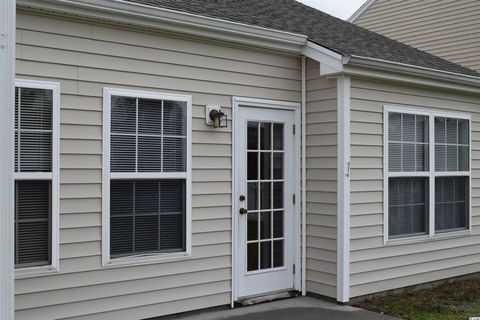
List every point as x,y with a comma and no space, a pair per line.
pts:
301,308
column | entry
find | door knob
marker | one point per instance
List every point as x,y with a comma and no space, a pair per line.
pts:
243,211
241,198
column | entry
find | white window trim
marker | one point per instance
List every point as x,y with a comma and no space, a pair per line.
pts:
150,258
53,176
431,174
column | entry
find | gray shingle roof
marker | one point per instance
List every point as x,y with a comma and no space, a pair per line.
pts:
321,28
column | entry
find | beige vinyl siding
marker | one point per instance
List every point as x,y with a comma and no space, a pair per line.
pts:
321,182
377,267
84,58
447,28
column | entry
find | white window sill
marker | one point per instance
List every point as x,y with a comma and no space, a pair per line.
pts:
427,238
31,272
146,259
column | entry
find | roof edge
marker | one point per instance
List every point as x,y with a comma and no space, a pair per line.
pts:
388,70
333,63
119,11
361,10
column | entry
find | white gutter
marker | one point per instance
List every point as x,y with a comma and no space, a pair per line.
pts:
333,64
7,87
118,11
304,177
128,13
411,69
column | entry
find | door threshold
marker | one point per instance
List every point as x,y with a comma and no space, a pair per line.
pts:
248,301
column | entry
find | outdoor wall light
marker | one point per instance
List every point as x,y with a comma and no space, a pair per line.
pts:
215,117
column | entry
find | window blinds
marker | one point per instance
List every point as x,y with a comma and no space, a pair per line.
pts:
148,215
147,135
33,154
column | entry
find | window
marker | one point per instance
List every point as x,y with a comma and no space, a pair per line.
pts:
147,176
427,161
36,175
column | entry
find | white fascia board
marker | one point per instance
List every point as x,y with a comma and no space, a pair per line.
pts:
124,12
394,71
330,61
333,64
360,11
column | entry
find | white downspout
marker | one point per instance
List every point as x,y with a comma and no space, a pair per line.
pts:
304,177
7,85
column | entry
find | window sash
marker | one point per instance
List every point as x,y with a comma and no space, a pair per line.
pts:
431,174
147,135
160,208
33,268
108,175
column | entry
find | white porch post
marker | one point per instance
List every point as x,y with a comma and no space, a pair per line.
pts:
7,84
343,189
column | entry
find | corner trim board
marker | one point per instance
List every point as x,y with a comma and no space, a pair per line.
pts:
343,188
7,85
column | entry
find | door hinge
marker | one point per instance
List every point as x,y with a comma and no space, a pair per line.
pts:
294,198
293,268
293,129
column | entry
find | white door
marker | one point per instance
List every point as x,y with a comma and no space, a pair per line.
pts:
265,195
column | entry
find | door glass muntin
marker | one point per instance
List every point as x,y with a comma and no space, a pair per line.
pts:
265,185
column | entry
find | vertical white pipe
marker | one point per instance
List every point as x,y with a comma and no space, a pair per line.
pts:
304,177
7,85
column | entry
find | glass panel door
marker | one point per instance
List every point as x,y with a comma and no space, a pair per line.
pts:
265,195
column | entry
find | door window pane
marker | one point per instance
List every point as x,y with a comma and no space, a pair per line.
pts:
252,165
265,136
252,135
265,165
278,165
252,256
252,226
265,225
278,224
278,136
278,252
265,195
252,198
265,255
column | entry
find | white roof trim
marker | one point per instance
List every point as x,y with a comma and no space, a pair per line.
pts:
361,10
120,11
331,61
124,12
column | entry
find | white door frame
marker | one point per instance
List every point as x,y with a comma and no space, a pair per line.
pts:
269,104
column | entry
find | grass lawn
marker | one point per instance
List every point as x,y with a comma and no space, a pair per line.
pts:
449,301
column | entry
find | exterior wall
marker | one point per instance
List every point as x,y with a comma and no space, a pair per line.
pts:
321,182
448,28
85,57
377,267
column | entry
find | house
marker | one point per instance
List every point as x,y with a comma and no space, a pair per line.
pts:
178,155
448,29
